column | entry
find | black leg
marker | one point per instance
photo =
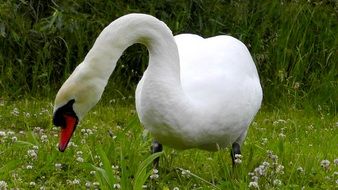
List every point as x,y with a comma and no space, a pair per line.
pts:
235,149
156,147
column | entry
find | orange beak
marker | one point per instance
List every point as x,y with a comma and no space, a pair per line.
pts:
67,132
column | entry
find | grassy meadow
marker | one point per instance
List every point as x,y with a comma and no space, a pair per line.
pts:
292,144
289,149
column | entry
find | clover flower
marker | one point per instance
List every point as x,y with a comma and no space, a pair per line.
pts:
300,170
15,112
96,184
10,133
186,173
3,185
58,166
32,154
3,134
272,156
253,185
325,164
282,135
155,174
76,182
255,179
335,161
88,184
277,182
280,169
80,159
14,139
29,167
117,186
44,138
238,158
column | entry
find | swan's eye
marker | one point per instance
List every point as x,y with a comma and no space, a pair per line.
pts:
60,113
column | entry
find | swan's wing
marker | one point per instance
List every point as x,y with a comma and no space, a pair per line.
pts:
218,72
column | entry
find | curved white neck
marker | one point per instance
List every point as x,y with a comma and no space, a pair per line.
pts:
163,72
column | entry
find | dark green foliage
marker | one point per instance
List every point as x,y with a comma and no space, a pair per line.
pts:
294,43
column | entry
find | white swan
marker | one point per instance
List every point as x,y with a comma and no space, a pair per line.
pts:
195,93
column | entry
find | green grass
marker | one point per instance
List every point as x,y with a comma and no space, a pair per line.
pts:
112,135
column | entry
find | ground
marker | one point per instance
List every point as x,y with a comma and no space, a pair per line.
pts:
285,149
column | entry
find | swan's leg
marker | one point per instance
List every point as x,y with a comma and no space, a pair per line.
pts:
235,149
156,147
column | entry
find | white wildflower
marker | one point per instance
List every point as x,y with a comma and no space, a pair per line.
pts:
35,147
88,184
282,135
155,174
255,178
253,185
69,182
14,139
2,133
3,185
32,154
29,167
72,144
44,138
280,169
83,141
266,164
58,166
117,186
79,159
176,188
10,133
325,164
238,158
15,112
27,114
89,131
259,171
92,172
186,173
300,170
335,161
76,181
32,183
96,184
277,182
117,167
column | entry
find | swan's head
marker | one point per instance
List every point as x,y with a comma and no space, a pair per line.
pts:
76,97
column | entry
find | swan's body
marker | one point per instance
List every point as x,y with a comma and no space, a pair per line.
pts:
195,93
